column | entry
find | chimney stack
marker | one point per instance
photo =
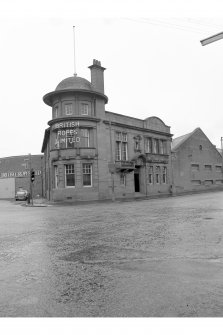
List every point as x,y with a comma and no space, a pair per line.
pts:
97,76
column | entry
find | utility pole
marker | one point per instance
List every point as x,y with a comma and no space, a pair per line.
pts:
222,156
206,41
30,181
112,163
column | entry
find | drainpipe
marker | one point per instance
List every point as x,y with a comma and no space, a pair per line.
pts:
222,155
112,161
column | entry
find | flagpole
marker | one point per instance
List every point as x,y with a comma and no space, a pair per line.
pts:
75,73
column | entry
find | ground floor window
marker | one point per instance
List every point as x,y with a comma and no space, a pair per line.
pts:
157,174
56,176
164,174
150,174
69,175
87,174
123,179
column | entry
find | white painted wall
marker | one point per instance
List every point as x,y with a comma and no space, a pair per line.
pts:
7,188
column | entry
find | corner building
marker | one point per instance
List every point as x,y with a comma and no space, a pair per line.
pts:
93,154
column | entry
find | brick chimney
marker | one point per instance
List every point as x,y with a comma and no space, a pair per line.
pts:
97,76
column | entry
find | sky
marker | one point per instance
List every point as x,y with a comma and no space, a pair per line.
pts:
155,64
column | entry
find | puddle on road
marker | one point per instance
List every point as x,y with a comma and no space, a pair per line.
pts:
102,253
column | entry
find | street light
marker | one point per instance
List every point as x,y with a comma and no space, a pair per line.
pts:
212,39
206,41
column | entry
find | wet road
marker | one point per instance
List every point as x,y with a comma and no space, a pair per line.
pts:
146,258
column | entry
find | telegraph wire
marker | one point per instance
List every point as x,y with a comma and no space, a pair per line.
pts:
168,24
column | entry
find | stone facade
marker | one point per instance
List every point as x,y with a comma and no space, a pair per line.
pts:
93,154
197,164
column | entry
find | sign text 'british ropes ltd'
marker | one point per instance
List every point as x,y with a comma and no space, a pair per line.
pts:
21,174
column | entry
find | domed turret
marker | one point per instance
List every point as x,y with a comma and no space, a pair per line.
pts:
73,83
80,85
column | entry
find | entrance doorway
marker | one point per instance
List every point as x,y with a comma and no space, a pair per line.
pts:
136,182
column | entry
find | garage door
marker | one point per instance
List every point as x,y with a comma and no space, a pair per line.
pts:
7,188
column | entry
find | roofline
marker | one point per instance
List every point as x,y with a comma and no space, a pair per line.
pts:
47,98
174,149
147,130
135,118
46,136
27,155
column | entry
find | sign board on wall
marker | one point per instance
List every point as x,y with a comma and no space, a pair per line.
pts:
70,135
18,174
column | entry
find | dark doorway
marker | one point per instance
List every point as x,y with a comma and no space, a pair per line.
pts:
136,181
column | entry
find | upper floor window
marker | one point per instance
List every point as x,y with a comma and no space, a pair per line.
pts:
56,111
121,146
84,109
85,137
149,145
68,109
218,168
156,146
137,141
163,147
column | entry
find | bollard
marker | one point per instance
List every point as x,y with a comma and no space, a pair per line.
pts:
28,198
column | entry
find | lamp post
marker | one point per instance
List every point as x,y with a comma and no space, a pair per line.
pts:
204,42
212,39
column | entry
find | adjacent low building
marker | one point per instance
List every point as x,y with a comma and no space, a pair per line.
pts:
92,154
15,174
196,163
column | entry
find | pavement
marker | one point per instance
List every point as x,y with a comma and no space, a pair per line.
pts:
151,258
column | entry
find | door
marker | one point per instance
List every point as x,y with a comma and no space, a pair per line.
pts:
136,181
7,188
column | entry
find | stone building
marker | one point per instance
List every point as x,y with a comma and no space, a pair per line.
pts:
197,164
92,154
15,174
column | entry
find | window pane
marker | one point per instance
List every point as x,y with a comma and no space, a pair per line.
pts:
149,145
56,176
118,151
87,174
156,146
68,109
85,138
55,111
161,147
84,109
164,174
118,136
164,147
124,151
123,179
70,176
124,137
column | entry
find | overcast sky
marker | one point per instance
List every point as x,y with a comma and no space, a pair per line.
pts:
155,64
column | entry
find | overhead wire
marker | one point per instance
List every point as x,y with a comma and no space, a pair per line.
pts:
176,25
